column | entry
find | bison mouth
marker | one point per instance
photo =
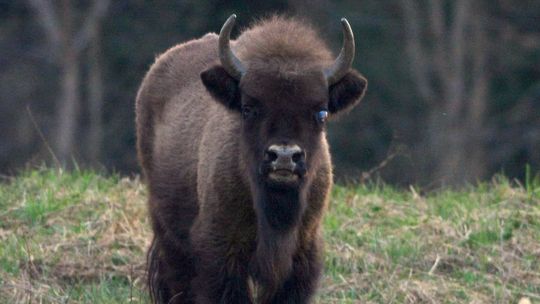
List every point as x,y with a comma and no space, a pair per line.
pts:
283,176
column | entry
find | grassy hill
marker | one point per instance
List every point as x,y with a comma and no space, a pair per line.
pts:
81,238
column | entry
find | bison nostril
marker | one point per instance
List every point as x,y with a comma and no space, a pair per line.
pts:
270,156
285,156
298,156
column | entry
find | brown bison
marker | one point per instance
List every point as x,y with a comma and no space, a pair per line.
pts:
231,137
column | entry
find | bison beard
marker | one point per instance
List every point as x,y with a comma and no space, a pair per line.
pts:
280,208
285,272
278,212
237,163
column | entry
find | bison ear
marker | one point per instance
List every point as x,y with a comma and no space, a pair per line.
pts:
222,87
347,92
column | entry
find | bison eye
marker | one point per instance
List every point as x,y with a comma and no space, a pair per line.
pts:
321,116
248,112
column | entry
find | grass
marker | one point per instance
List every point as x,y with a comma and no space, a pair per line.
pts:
72,238
81,238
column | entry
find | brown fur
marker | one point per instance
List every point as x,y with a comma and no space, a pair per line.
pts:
216,221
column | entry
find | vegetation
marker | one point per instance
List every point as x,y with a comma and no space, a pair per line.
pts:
81,238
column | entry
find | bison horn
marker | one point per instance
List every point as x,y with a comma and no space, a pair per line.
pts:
345,58
229,61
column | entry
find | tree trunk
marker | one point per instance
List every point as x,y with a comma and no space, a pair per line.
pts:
95,98
478,101
446,144
68,107
67,44
452,150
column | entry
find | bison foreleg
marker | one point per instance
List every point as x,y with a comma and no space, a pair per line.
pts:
214,284
300,286
221,267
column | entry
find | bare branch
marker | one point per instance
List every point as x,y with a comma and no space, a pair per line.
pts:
419,64
43,139
480,74
456,88
438,29
95,88
97,12
46,15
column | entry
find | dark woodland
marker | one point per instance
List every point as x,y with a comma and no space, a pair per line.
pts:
453,98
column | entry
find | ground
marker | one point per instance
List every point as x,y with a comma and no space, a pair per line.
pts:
81,237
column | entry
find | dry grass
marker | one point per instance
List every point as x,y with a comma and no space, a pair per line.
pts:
480,245
72,238
81,238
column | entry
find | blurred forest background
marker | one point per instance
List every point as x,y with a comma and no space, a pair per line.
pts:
453,97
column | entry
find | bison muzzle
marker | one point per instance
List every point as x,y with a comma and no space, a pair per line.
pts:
231,138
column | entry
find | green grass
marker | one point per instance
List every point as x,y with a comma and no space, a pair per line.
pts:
72,238
81,238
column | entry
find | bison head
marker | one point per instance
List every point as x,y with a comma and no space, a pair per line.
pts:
284,103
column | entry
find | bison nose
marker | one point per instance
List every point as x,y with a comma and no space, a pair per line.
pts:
284,157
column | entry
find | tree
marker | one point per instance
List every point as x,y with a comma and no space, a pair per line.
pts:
452,78
66,43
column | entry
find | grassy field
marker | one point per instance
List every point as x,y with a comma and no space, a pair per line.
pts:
81,238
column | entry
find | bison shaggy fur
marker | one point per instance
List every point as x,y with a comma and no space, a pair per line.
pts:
239,170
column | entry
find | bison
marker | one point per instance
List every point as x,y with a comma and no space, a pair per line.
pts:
231,138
